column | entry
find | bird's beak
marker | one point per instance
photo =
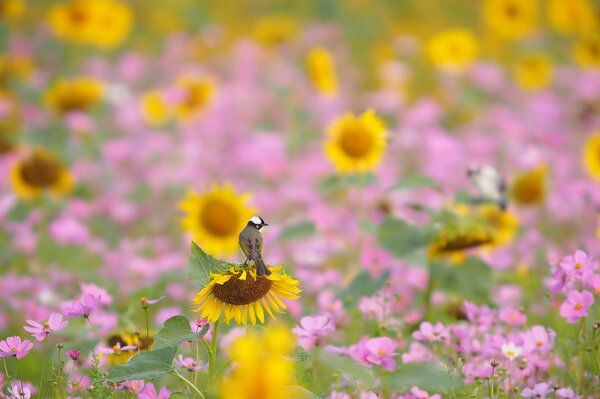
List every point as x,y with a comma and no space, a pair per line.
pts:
265,224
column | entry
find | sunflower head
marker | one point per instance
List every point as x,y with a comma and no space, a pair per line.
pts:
356,145
321,70
239,294
197,94
512,19
529,188
118,341
586,52
453,49
216,218
591,156
154,109
78,94
572,16
504,224
533,71
38,173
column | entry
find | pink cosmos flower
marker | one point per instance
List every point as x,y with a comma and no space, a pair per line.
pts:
16,392
538,391
578,265
82,307
13,346
116,349
566,393
431,333
134,386
145,301
40,331
73,354
149,392
312,330
538,338
417,353
512,317
189,363
420,394
380,351
576,305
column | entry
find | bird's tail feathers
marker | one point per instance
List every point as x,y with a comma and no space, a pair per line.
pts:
261,268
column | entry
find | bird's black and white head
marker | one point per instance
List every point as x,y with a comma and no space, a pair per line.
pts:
257,222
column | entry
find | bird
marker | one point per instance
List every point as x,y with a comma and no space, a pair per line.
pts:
490,184
251,242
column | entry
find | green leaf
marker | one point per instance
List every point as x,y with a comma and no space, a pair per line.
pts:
402,238
200,265
471,280
423,375
349,367
297,230
463,197
334,183
178,395
176,330
415,181
300,355
298,392
147,365
363,285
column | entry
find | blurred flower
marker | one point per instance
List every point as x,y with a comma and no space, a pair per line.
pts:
11,9
273,30
533,71
242,296
101,23
576,305
73,354
216,218
572,16
149,392
196,95
420,394
356,145
512,317
591,155
452,49
19,392
579,266
377,351
145,301
321,70
529,187
539,338
133,386
431,333
189,364
82,307
76,94
505,225
154,108
566,393
540,390
512,19
312,330
13,346
511,350
38,173
586,51
118,352
262,368
40,331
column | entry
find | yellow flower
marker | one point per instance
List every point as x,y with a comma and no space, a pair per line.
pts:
155,111
321,69
240,295
216,218
512,19
197,95
586,52
11,9
572,16
77,94
356,145
503,223
101,23
529,187
38,173
453,49
591,155
533,71
273,30
118,341
262,367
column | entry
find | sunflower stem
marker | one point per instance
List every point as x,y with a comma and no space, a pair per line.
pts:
212,356
189,383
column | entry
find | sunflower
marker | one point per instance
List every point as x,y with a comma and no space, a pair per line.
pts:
591,156
533,71
572,16
77,94
216,218
356,145
154,109
11,9
321,70
512,19
38,173
262,366
503,223
273,30
453,49
239,294
586,52
529,187
197,94
132,344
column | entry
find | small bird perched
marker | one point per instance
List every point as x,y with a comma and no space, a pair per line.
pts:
490,184
251,242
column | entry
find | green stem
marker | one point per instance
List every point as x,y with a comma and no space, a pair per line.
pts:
581,355
93,328
223,367
189,383
206,344
212,355
5,369
428,291
147,328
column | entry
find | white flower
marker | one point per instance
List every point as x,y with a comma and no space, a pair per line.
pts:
511,351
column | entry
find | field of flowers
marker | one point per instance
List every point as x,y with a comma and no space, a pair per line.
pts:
429,172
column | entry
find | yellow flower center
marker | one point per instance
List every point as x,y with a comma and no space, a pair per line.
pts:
539,344
46,325
117,349
578,266
510,353
356,141
242,292
40,170
578,306
13,349
78,16
144,301
380,352
219,218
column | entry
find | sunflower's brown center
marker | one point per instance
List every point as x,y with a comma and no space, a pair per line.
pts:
356,141
219,218
242,292
197,95
41,170
461,242
512,11
529,190
78,16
